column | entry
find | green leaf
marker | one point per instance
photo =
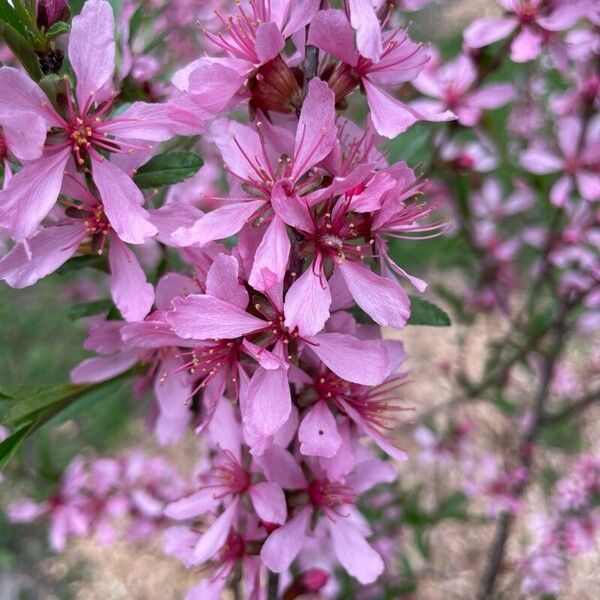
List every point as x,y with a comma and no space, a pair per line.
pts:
29,403
88,309
453,507
59,28
22,50
424,312
81,262
10,446
135,22
166,169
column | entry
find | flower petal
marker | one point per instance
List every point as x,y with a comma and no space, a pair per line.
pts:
382,299
132,294
318,433
347,356
122,202
284,544
269,401
215,536
307,303
31,193
92,49
205,317
269,502
48,249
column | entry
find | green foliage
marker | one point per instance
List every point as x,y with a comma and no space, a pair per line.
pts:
58,28
21,49
564,435
81,262
88,309
424,312
167,169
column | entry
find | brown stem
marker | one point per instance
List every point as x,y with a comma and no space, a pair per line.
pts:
506,520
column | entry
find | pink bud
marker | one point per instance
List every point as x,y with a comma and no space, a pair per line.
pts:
50,11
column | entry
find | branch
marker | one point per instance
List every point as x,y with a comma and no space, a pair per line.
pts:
573,409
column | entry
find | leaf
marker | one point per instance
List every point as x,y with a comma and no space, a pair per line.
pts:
166,169
59,28
135,22
453,507
28,403
88,309
424,312
22,50
81,262
10,446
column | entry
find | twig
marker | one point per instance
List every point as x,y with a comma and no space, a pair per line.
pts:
506,520
273,586
573,409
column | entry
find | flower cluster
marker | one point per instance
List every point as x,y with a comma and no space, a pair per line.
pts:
248,295
103,496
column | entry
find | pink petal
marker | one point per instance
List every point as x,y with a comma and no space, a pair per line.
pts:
19,93
526,46
48,249
215,536
269,502
92,49
101,368
316,133
269,42
269,401
382,299
171,285
31,193
280,467
390,116
284,544
204,317
561,190
173,394
307,303
370,199
371,472
346,356
568,133
353,551
192,506
141,121
122,202
24,133
589,185
330,31
212,86
217,224
225,429
368,31
223,281
299,14
290,207
318,433
241,149
271,257
493,95
540,161
132,294
484,32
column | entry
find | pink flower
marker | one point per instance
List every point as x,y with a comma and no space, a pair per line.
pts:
50,247
578,161
347,530
79,136
533,22
454,85
401,60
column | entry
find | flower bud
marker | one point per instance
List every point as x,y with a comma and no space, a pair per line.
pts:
51,11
